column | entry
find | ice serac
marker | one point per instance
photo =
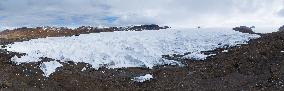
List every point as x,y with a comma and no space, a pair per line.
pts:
129,48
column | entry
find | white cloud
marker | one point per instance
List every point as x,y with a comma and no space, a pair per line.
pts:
182,13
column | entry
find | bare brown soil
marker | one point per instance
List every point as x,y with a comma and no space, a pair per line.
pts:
253,67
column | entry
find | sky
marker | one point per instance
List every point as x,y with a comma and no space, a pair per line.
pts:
174,13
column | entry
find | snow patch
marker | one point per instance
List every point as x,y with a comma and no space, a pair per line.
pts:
147,77
225,51
84,69
49,67
196,56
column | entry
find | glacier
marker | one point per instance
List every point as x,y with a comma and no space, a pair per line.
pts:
129,48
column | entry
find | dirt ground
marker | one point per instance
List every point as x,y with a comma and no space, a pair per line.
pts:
253,67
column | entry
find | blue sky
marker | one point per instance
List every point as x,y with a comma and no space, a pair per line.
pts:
176,13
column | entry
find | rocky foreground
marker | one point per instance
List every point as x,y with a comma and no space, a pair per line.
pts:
255,66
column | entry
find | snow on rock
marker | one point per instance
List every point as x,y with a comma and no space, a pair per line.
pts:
129,48
147,77
49,67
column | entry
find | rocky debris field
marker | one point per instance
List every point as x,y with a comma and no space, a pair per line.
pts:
252,67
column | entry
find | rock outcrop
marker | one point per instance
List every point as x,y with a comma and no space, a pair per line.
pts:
245,29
